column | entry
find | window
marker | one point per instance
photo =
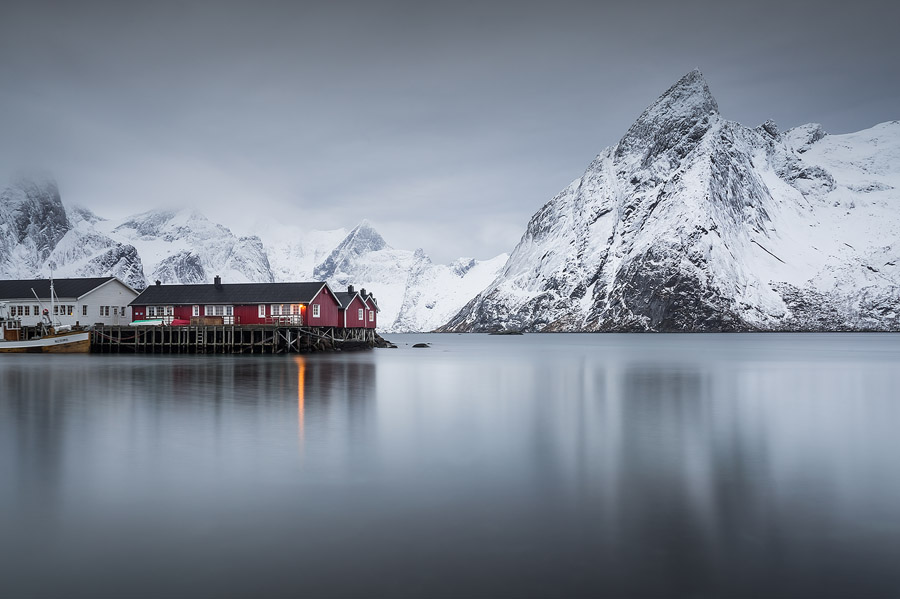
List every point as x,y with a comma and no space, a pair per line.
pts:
122,310
372,315
27,310
295,309
262,311
316,310
115,310
104,311
360,316
283,309
70,310
84,310
195,311
219,310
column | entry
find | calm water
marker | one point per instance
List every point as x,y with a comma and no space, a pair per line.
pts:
543,465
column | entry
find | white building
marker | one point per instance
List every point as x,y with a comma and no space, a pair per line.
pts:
102,300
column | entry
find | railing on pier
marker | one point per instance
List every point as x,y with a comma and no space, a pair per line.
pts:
227,339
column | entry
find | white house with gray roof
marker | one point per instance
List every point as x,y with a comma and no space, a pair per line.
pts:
87,301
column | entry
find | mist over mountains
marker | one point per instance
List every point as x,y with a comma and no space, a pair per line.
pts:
38,232
691,222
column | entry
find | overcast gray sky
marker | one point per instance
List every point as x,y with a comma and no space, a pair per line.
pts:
447,126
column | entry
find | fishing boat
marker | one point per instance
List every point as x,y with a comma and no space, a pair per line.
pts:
48,337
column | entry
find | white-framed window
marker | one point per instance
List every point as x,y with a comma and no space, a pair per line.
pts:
316,310
219,310
372,315
27,310
104,310
37,310
275,309
360,315
195,310
84,309
262,311
295,309
122,310
115,310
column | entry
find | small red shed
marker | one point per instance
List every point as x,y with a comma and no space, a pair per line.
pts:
353,309
371,311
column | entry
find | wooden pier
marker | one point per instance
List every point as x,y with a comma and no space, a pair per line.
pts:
228,339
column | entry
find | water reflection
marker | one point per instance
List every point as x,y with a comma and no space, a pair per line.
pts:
544,465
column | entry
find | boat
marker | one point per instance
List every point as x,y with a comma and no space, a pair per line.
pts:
48,337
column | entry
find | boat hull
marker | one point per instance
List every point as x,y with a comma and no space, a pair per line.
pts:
65,343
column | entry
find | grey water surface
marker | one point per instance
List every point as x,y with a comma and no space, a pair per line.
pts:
537,465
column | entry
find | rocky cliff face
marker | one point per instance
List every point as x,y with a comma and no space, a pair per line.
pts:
696,223
32,221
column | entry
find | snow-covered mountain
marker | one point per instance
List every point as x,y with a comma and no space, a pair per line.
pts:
696,223
186,247
39,233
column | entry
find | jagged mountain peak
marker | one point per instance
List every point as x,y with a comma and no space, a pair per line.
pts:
362,239
365,238
697,223
689,96
675,113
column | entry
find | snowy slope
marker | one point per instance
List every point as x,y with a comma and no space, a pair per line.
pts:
693,222
412,292
186,247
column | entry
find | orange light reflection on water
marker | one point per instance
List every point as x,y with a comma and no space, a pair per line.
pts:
301,375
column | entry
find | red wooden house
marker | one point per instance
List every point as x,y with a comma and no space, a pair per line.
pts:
371,309
353,309
308,304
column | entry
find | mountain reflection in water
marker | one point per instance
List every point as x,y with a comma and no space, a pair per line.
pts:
640,465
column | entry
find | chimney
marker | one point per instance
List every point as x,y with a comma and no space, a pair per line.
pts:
217,282
349,288
362,292
158,282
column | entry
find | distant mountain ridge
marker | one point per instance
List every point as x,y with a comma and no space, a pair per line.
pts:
696,223
37,233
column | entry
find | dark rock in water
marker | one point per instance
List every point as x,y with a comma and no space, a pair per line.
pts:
509,332
421,345
382,342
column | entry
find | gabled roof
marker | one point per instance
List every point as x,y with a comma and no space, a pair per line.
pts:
346,298
371,302
230,294
68,288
